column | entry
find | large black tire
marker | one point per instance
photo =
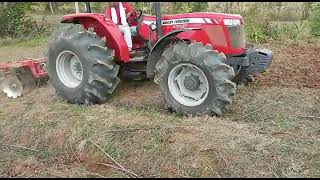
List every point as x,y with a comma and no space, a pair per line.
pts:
243,77
99,69
211,63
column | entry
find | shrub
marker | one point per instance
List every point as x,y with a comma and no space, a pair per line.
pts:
199,6
182,7
256,27
292,31
314,20
14,21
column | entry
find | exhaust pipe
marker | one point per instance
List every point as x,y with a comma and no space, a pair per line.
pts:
158,19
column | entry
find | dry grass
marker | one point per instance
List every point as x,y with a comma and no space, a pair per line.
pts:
269,143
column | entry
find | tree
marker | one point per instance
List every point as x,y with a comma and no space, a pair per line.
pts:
182,7
52,6
76,4
279,4
314,20
14,21
199,6
306,10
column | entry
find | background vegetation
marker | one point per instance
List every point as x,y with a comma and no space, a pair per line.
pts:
264,22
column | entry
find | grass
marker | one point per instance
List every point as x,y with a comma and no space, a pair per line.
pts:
37,41
265,144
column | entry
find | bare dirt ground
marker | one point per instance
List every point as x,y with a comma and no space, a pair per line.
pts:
295,65
271,129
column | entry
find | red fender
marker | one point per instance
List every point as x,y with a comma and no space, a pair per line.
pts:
104,28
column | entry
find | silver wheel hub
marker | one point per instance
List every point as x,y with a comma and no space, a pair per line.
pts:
191,82
188,84
69,69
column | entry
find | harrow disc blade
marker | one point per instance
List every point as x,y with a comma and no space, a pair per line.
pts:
27,80
11,85
15,84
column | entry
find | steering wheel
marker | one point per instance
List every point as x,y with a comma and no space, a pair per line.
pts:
134,16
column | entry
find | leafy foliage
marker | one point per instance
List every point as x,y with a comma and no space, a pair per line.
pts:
259,19
199,6
96,6
182,7
256,27
314,20
14,21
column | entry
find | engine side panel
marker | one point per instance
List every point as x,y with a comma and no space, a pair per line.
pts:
213,31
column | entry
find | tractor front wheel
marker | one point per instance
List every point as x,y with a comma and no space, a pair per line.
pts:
243,77
80,66
194,80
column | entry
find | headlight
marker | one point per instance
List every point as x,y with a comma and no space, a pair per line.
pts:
153,26
231,22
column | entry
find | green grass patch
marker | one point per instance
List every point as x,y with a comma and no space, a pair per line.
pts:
87,129
114,151
39,40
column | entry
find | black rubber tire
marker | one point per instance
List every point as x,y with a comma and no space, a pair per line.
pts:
218,74
243,77
99,69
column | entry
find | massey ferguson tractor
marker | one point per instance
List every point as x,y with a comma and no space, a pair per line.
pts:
195,58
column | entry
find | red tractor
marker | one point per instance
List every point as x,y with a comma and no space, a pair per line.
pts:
195,58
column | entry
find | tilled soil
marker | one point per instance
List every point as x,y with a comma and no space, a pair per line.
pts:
293,65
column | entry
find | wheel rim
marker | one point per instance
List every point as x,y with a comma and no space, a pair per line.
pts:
188,84
69,69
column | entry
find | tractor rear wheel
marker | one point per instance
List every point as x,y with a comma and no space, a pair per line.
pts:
194,80
81,68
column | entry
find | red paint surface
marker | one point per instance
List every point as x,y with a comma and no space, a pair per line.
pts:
33,64
214,33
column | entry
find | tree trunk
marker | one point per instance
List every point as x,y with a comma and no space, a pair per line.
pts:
278,12
226,7
51,8
76,4
238,7
306,10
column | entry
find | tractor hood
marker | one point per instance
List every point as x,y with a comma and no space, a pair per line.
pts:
198,17
203,15
216,18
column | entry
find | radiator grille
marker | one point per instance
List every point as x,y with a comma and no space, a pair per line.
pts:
237,36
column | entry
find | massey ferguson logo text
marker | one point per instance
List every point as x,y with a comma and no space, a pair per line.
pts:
178,21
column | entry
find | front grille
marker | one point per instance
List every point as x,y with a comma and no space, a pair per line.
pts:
237,36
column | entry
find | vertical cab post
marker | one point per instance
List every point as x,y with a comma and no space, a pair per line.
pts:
158,19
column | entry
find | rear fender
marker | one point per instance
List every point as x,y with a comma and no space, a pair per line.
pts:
159,47
104,28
